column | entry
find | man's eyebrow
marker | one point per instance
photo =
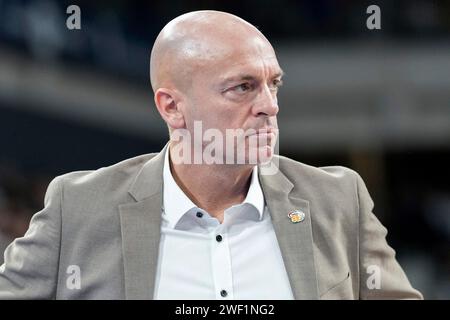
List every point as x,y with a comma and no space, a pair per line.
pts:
279,74
249,77
239,77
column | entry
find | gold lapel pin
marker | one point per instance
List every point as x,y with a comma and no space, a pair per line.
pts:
296,216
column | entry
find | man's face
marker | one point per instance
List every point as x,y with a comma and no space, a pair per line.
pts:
238,90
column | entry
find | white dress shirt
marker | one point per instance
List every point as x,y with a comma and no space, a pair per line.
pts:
200,258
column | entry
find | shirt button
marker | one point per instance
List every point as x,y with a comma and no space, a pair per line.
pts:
223,293
199,214
218,239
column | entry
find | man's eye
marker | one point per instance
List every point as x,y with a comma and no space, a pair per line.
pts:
243,87
277,83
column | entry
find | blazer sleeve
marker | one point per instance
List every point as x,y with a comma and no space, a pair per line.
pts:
381,276
30,268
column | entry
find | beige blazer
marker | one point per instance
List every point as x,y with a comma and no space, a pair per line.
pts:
98,236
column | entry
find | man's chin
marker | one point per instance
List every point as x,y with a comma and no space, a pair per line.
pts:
268,155
261,155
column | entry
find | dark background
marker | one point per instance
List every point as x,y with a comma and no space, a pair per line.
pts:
377,101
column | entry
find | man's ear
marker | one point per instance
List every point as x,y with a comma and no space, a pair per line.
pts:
168,104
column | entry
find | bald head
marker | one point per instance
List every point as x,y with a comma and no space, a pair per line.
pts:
193,40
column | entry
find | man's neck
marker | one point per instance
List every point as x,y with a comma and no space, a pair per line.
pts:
213,187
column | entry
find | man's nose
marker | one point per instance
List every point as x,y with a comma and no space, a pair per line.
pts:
267,103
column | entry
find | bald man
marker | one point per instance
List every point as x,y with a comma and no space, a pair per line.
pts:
196,221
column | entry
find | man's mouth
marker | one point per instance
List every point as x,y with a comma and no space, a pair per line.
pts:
264,132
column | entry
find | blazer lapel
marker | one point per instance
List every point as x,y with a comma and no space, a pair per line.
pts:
295,239
140,225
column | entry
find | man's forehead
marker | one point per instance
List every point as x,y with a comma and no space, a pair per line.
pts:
250,66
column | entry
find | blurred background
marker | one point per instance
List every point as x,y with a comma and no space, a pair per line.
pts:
377,101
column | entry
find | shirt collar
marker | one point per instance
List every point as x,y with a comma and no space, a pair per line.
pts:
178,204
175,201
255,196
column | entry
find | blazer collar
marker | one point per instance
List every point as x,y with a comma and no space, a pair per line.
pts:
148,181
141,230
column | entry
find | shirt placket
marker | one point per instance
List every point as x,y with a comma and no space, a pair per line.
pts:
221,264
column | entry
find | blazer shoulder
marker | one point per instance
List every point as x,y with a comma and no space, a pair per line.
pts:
330,183
119,173
294,169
